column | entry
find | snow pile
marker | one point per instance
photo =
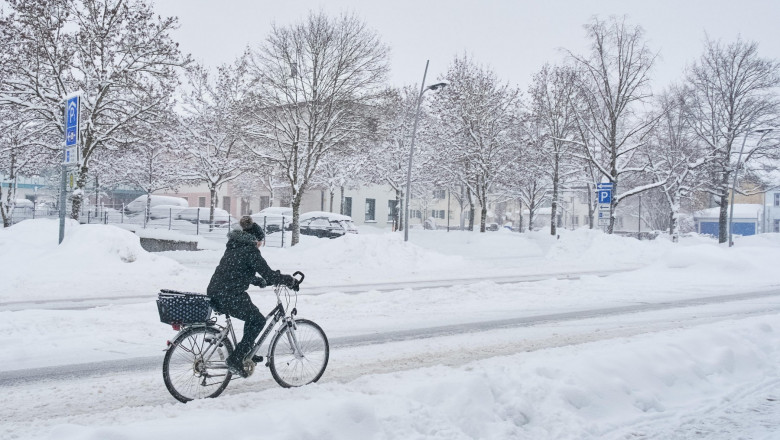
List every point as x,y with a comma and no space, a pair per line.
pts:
361,257
93,260
604,390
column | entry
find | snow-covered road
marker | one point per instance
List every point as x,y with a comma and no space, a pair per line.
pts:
75,394
485,338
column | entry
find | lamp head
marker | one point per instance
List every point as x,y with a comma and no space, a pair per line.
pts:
437,86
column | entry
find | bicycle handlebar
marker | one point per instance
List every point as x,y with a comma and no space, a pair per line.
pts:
297,272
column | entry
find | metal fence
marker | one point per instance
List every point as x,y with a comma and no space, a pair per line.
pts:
275,228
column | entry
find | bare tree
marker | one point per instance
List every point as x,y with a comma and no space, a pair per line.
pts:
25,151
733,93
313,81
551,94
118,55
613,90
478,113
674,156
214,128
151,165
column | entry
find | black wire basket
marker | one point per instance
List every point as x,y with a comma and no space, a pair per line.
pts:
183,307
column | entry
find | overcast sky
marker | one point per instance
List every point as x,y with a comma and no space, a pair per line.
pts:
514,38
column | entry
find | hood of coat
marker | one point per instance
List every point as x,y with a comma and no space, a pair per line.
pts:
239,238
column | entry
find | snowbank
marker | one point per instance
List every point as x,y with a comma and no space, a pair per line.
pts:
92,261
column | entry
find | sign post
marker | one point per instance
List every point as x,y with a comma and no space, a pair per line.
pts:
70,152
604,196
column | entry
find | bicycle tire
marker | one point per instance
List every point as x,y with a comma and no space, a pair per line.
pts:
185,373
289,370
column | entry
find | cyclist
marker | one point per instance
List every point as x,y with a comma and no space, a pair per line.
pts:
237,269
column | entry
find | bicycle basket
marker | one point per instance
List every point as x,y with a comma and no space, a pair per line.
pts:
183,307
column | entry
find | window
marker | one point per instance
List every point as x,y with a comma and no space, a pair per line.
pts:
575,220
777,199
370,210
245,206
438,213
201,202
415,213
265,201
392,210
187,199
347,208
439,193
226,203
777,226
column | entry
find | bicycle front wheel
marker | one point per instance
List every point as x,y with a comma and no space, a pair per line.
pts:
194,366
299,356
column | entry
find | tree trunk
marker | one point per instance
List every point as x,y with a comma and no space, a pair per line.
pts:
612,208
483,218
591,207
296,207
148,210
673,230
471,210
5,208
332,193
213,191
397,217
78,194
723,220
341,196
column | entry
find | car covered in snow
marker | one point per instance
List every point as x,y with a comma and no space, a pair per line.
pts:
326,224
165,211
201,215
139,204
274,218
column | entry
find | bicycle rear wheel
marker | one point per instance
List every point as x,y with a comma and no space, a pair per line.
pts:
194,366
293,368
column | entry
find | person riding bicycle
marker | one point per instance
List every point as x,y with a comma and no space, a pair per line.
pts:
227,289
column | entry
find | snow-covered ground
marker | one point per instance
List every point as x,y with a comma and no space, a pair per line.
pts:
708,372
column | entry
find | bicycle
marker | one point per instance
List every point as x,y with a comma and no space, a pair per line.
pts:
194,366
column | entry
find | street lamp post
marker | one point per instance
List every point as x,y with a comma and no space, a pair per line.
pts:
763,132
423,89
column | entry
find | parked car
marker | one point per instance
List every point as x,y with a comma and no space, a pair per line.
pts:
165,211
326,224
273,218
202,214
139,204
491,227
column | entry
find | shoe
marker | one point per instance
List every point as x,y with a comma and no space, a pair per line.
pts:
236,367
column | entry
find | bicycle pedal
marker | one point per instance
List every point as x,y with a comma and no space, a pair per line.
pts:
257,359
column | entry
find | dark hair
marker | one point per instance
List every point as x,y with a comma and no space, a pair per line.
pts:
246,222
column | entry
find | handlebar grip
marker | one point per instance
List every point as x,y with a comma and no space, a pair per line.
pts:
297,272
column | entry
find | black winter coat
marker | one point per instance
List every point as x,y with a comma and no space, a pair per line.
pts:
238,266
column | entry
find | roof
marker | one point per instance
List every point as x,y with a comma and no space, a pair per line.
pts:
741,210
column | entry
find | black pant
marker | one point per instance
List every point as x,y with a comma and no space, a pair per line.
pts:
239,306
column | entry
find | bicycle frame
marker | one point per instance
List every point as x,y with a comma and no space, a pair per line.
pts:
276,315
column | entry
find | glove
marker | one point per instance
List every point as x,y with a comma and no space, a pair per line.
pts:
260,282
289,281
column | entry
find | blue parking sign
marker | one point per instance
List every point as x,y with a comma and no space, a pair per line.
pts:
604,191
72,121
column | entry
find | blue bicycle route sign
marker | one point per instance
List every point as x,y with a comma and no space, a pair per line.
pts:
604,191
72,121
